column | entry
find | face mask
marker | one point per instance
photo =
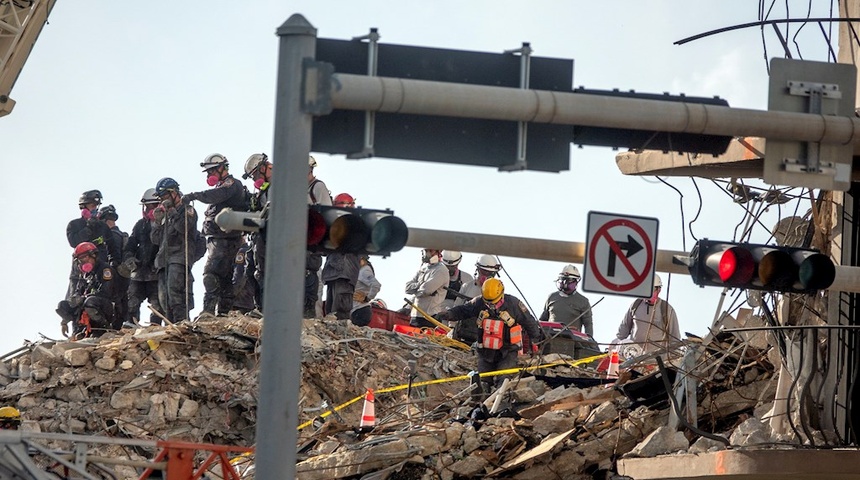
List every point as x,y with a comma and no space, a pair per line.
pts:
258,183
433,260
147,214
87,267
212,180
653,298
87,214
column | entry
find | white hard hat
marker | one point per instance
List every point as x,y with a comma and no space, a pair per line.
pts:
488,262
451,257
253,162
569,270
149,196
657,281
312,162
214,160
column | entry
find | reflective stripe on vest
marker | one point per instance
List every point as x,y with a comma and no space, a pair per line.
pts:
517,335
494,334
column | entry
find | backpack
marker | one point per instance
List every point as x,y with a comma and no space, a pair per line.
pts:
197,246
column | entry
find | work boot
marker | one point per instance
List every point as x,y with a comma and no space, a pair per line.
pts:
205,315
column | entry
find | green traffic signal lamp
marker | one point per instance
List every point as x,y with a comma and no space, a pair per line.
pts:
760,267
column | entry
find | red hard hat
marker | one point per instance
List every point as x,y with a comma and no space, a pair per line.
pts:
84,248
343,200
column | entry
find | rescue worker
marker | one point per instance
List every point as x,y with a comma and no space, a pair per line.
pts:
117,242
139,259
486,267
457,278
87,228
340,273
259,170
226,192
174,228
10,418
567,306
91,306
318,194
366,288
501,319
428,287
650,323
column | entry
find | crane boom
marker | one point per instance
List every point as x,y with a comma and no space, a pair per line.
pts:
21,22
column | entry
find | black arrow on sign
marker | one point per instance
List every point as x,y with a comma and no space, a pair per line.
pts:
631,247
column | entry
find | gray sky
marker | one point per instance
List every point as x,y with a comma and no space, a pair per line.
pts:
116,95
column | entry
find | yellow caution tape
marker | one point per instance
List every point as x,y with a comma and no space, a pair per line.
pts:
458,378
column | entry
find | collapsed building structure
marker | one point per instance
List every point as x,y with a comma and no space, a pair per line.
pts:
559,418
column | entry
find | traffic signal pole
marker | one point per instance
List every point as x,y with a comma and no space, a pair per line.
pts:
419,97
280,364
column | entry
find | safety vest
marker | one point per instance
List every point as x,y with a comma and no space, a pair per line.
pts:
496,334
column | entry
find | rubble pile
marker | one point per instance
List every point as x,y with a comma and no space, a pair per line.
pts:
198,382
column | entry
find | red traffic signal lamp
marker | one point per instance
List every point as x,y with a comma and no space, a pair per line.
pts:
355,230
760,267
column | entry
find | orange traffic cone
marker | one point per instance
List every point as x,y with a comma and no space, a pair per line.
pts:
612,371
368,413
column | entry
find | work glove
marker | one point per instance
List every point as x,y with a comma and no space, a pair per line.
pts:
443,317
64,328
507,318
190,197
132,263
158,213
359,297
127,266
411,287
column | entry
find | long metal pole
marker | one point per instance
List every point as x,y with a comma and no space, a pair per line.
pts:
280,366
847,278
398,95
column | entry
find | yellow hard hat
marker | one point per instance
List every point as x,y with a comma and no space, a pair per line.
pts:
493,290
10,413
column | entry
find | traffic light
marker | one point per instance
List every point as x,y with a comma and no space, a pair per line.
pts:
760,267
355,230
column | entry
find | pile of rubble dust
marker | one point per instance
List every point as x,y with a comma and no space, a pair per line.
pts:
197,382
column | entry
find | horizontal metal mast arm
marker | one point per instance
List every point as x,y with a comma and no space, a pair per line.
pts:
847,278
398,95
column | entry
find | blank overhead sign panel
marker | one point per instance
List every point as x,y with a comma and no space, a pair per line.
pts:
445,139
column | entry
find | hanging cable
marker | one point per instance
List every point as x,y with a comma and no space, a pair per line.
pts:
681,202
522,296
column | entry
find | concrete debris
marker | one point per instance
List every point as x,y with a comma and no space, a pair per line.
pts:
661,441
750,433
197,382
705,445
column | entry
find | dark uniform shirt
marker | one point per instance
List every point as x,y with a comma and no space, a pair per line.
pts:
174,235
96,231
100,282
471,310
229,193
140,247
